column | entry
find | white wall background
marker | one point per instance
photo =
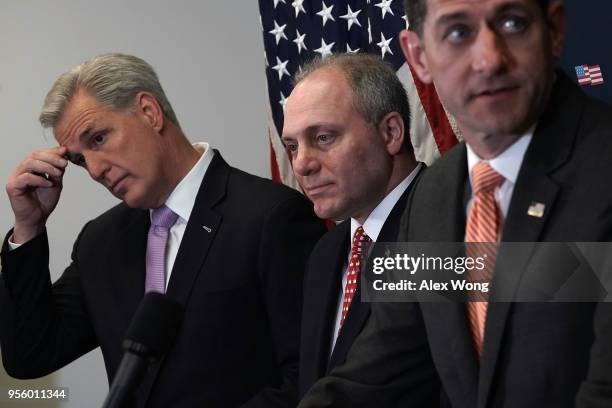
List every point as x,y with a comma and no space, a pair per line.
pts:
209,57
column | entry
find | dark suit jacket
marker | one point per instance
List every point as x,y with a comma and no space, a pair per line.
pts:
596,390
535,354
239,283
322,291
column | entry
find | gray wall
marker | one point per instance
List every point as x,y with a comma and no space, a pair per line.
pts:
209,57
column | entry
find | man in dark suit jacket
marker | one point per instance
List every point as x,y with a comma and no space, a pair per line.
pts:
492,64
345,125
234,256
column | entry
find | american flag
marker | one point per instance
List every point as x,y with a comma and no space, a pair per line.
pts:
295,31
589,75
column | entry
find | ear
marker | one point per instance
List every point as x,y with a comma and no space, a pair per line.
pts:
391,127
414,52
146,104
556,23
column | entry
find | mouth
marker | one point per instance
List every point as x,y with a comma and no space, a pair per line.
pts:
494,93
115,187
316,190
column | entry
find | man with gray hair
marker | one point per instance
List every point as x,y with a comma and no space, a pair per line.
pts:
346,127
184,228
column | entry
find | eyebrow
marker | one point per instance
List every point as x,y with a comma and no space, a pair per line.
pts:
463,15
86,133
75,158
451,18
313,129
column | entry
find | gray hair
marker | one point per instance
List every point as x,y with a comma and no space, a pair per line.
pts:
376,88
416,10
113,79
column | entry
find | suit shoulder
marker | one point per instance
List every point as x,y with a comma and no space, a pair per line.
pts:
260,192
118,215
448,164
597,117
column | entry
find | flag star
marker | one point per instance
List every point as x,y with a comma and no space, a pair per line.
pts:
281,68
278,1
278,32
283,100
351,17
298,5
384,45
326,13
349,50
299,41
405,18
325,49
369,31
385,6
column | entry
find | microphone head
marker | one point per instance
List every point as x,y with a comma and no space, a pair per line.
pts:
154,326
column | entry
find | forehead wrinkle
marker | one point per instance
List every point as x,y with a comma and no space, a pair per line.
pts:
85,118
465,6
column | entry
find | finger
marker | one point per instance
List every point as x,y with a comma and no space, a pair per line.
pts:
54,156
28,180
43,168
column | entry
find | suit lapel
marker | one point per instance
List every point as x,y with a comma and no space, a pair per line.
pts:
359,311
437,214
197,239
550,148
330,283
200,232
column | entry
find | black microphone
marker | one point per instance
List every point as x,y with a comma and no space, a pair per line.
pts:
148,338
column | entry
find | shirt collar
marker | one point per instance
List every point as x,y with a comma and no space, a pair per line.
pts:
508,163
182,199
375,221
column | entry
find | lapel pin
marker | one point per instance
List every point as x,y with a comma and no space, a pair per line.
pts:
536,209
208,229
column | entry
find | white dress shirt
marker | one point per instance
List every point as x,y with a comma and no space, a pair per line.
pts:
372,226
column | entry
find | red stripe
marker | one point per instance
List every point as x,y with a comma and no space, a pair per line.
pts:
436,116
274,165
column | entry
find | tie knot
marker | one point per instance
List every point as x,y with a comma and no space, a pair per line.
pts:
484,178
359,239
163,217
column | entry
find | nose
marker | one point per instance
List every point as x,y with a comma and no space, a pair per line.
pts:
96,166
489,52
304,161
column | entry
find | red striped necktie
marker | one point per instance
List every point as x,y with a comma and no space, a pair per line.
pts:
360,241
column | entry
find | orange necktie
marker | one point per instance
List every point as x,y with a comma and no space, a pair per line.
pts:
483,226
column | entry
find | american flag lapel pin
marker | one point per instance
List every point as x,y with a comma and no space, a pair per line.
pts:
536,209
589,75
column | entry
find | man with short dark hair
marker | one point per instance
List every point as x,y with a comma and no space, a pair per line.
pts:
228,246
346,126
534,167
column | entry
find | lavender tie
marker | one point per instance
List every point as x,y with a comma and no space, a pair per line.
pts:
162,219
